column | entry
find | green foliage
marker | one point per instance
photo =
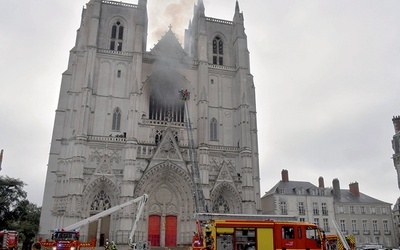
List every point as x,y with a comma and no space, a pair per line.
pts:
27,224
16,212
11,194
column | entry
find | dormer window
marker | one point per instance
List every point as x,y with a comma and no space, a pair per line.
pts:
218,51
117,34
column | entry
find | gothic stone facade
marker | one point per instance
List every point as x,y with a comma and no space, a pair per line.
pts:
120,128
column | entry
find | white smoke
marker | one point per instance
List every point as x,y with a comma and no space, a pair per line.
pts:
162,14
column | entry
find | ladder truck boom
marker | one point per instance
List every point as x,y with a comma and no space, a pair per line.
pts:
198,194
341,236
142,201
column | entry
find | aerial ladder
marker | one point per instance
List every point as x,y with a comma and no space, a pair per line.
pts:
70,235
200,203
343,239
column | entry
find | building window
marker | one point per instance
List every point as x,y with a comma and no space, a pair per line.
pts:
158,137
116,121
101,202
315,208
324,208
362,209
364,225
283,207
375,225
384,210
385,226
220,205
316,221
218,51
302,211
341,210
326,224
342,225
353,225
117,34
165,109
302,219
373,210
119,73
213,129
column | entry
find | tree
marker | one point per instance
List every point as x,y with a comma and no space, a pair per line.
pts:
11,194
27,224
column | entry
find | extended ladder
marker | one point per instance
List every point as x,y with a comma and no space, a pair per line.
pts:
198,194
341,236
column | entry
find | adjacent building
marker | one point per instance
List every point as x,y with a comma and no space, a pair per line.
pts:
396,162
301,199
120,126
369,220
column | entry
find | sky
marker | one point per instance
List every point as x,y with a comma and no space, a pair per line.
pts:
326,75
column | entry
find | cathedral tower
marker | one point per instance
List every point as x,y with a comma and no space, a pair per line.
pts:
120,129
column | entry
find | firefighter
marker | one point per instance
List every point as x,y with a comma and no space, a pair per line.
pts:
113,246
107,245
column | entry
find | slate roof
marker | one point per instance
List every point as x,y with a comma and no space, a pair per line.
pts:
346,196
290,187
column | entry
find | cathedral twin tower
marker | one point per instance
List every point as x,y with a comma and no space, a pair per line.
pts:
120,130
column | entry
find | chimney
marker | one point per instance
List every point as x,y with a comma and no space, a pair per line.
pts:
285,175
396,123
321,182
354,189
336,188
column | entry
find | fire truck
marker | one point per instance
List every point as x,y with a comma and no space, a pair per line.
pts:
8,240
248,232
334,242
339,241
68,237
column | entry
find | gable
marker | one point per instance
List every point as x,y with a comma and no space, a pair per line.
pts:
169,46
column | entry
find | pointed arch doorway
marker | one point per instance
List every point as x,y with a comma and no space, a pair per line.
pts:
100,229
162,230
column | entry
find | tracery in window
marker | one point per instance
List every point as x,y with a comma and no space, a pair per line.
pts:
159,136
166,109
213,130
116,121
101,202
117,34
218,51
220,205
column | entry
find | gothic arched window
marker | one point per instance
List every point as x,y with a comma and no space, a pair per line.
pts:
116,121
213,130
166,109
220,205
117,34
101,202
218,51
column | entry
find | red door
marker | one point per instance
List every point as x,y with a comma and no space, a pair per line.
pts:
170,231
154,230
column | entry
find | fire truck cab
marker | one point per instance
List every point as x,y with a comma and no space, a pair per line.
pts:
66,240
249,234
8,240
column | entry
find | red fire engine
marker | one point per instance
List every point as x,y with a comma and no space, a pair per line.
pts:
8,240
68,238
256,233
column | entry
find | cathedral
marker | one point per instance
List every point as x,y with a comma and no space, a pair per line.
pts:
122,128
